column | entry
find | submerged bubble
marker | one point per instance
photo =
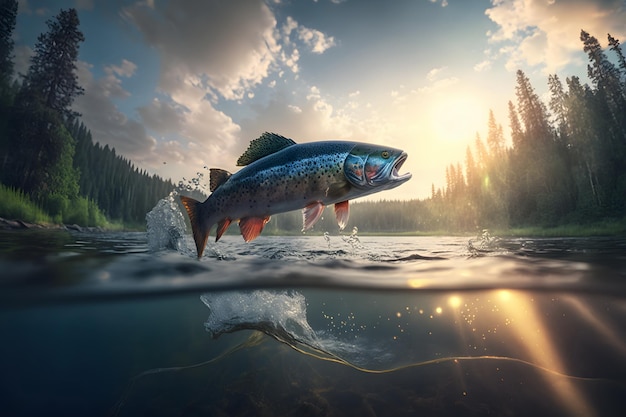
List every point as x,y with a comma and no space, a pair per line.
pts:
274,313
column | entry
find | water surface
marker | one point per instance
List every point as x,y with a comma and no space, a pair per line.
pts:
132,324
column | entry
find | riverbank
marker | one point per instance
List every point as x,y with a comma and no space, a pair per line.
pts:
7,224
600,228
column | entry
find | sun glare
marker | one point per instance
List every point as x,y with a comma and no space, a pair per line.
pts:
458,118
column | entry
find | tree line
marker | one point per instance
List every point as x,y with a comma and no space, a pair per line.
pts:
565,165
567,160
45,151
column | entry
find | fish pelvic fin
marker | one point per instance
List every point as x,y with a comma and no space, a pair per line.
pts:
342,213
198,228
311,214
251,227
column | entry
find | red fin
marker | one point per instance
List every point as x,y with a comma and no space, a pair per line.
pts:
200,233
311,214
221,228
342,212
251,227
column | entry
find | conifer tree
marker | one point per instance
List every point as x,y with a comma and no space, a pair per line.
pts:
616,47
558,105
532,111
495,137
516,127
8,15
43,151
51,74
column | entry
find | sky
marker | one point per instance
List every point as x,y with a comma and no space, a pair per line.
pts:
179,86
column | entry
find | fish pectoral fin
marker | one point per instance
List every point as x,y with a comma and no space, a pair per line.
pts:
311,214
338,189
221,228
342,213
217,177
251,227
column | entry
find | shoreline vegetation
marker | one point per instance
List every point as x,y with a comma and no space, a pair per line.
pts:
19,212
562,173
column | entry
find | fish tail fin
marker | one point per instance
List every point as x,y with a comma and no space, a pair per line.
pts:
199,228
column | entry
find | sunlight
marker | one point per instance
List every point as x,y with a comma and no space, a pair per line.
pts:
528,324
454,301
457,118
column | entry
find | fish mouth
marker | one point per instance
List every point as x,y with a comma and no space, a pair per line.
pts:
396,167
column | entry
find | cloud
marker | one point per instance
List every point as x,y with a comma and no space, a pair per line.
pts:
316,116
547,33
444,3
434,73
210,52
84,4
230,46
316,40
482,66
108,125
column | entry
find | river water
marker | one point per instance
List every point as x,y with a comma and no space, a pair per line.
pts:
126,324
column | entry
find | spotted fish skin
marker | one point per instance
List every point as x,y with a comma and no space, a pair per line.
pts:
306,176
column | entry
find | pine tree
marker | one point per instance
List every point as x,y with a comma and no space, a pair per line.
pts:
616,47
558,105
52,75
516,127
8,15
532,111
495,137
43,151
608,86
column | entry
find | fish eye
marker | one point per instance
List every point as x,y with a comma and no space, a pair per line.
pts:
385,154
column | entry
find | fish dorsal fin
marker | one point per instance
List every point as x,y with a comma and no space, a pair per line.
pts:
217,177
267,144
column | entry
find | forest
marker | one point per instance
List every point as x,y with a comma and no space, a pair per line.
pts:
565,165
565,162
47,156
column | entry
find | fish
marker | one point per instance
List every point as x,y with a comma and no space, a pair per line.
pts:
280,175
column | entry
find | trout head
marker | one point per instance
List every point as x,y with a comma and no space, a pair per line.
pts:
373,166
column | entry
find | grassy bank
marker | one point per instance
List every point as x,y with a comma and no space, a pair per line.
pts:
15,204
615,227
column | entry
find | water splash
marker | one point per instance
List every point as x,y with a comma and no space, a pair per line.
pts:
327,238
484,243
353,240
195,185
166,225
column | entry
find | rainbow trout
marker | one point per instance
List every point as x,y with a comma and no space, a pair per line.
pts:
281,175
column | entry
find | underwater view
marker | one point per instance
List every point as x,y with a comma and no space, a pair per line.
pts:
125,324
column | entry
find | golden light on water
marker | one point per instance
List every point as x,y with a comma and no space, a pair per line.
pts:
454,301
528,324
